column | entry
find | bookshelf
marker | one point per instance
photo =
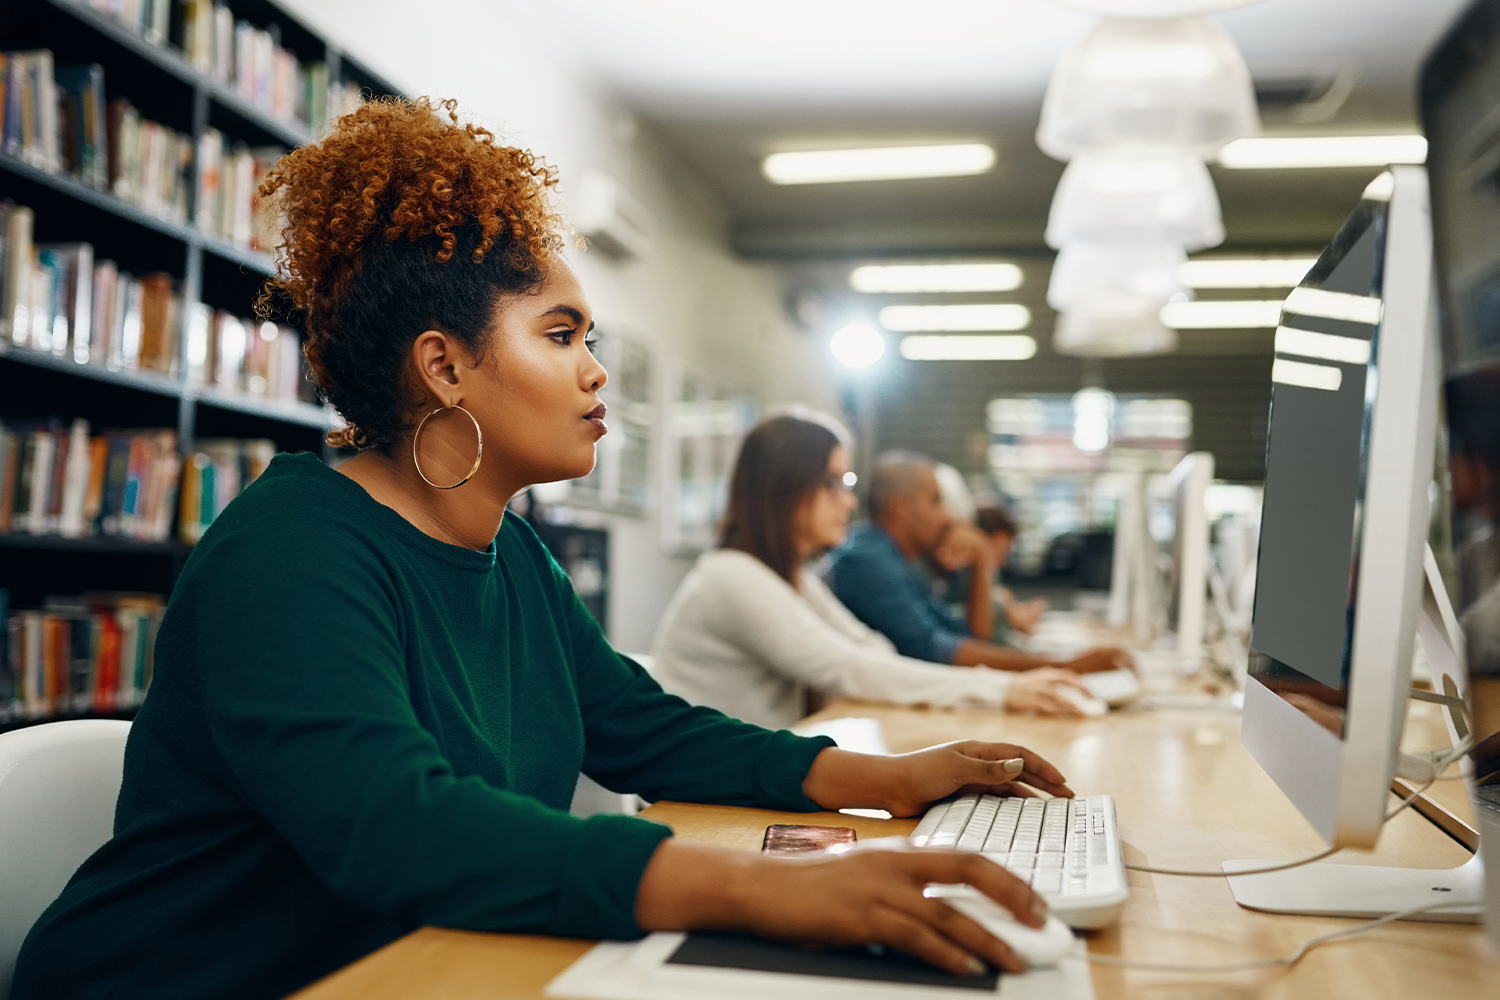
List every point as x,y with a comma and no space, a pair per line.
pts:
160,80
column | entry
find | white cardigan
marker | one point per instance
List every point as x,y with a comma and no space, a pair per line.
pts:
737,637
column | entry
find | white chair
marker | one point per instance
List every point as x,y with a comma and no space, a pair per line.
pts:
58,786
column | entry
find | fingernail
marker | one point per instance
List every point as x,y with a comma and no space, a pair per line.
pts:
973,966
1015,765
1039,911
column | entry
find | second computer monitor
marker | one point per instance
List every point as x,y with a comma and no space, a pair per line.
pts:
1187,590
1348,466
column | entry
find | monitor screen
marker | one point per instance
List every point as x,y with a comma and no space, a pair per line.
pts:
1302,626
1461,116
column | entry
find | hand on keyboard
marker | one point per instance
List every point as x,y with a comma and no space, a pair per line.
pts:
1094,660
966,767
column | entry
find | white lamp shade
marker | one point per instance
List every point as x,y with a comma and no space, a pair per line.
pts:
1146,270
1178,83
1153,8
1113,325
1112,195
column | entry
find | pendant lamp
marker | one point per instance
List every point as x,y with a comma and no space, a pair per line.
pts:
1178,83
1113,325
1122,194
1153,8
1137,269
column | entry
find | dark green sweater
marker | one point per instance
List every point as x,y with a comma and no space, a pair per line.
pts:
355,730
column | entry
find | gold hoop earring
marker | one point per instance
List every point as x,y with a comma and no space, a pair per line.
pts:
417,437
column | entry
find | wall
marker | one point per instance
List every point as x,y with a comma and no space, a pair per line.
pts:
689,297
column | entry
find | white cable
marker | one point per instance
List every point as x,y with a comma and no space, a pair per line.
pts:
1439,766
1270,963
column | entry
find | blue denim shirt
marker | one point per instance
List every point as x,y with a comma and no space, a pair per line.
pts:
874,580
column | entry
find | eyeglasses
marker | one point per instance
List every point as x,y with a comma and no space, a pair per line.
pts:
844,483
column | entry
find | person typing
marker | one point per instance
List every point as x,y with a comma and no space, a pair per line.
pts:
752,628
872,574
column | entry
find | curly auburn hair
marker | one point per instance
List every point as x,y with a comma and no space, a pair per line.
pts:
401,221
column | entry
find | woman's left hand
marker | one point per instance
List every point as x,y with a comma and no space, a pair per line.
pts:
906,784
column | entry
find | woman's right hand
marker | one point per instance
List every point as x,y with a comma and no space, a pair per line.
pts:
870,894
1100,658
1035,692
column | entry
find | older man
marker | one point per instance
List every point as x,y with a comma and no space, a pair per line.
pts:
872,573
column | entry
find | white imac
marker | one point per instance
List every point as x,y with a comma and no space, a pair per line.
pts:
1187,588
1133,571
1340,586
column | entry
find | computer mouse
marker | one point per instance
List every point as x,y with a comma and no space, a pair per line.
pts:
1039,946
1085,703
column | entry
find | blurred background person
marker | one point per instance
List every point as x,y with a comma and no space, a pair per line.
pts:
998,529
874,575
752,629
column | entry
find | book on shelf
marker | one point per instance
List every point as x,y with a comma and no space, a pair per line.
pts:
213,474
58,299
251,62
30,130
151,19
228,204
257,358
65,481
150,165
77,655
83,135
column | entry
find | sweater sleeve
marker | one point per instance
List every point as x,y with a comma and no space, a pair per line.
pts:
306,699
756,610
641,739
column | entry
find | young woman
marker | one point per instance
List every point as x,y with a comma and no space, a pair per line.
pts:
374,691
752,627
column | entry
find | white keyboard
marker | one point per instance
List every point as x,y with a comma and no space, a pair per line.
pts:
1113,687
1068,850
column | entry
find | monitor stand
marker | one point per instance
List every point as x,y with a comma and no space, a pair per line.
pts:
1334,890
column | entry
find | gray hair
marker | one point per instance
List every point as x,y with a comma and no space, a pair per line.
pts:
896,474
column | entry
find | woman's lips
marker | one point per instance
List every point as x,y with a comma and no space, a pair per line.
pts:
596,417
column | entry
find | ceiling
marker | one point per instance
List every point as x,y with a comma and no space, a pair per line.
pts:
722,84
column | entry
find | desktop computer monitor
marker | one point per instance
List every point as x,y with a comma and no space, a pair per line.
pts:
1460,109
1341,571
1187,584
1138,593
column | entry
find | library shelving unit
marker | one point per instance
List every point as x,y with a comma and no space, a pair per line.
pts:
164,85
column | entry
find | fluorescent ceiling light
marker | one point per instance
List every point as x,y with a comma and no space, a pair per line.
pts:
1307,376
1262,153
990,277
1283,272
1324,346
886,163
976,316
1015,347
1334,305
1227,315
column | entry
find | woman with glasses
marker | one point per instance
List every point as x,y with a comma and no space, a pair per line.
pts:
752,629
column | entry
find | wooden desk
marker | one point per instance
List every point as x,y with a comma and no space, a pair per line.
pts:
1188,795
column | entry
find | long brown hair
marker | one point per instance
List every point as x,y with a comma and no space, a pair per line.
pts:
780,464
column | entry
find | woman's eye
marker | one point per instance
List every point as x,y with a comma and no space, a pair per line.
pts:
592,345
563,337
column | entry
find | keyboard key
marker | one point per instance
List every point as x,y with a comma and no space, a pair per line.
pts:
952,823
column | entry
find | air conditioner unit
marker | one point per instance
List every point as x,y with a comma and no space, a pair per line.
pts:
610,219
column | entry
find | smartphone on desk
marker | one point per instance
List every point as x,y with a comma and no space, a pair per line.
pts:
787,840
